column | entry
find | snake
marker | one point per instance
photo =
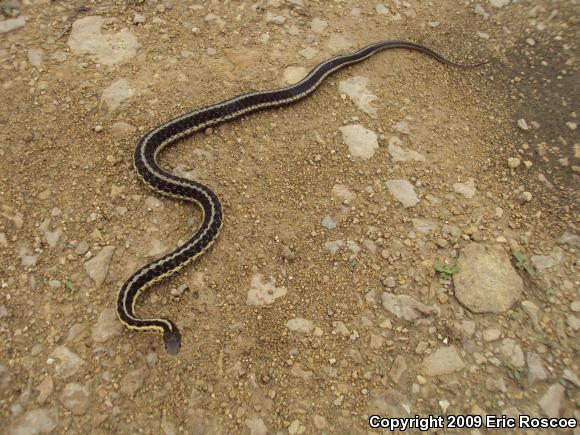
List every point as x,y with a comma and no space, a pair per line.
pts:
168,184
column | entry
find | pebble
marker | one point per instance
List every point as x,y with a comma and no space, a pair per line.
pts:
45,389
12,24
35,421
275,19
139,19
328,223
133,381
81,248
35,56
523,125
318,25
499,3
398,369
512,352
299,324
263,292
551,402
309,53
402,127
51,237
466,189
572,125
407,308
400,154
382,9
122,129
554,258
256,426
486,281
356,89
337,43
390,282
514,162
536,370
293,74
87,38
361,141
342,192
117,93
26,259
403,191
66,362
526,196
443,361
3,311
97,267
75,398
107,326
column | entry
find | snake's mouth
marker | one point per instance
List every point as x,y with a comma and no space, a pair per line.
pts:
172,341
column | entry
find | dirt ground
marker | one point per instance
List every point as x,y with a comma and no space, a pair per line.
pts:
69,194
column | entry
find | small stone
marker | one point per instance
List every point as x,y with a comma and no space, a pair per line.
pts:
116,93
293,74
256,426
554,258
523,125
337,43
551,402
512,352
404,192
526,196
402,127
466,189
12,24
382,9
361,142
514,162
356,89
443,361
299,324
409,309
318,25
35,421
398,368
531,42
263,292
376,341
275,19
81,248
328,223
572,125
75,398
491,334
97,267
536,370
35,57
319,422
45,389
133,381
138,19
67,362
107,326
486,281
389,282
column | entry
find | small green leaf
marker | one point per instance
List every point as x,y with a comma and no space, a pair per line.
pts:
550,291
70,286
519,259
447,270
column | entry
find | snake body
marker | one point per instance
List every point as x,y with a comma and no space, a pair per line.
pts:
145,162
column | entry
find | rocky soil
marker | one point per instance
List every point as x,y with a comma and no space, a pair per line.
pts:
404,242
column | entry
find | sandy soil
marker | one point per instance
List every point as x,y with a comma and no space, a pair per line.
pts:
68,190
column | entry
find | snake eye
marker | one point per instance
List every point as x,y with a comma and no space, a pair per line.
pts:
172,341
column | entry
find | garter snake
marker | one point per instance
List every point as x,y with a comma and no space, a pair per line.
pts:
145,162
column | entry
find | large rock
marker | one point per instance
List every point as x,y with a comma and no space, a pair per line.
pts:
486,281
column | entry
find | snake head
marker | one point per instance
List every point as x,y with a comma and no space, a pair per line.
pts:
172,339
